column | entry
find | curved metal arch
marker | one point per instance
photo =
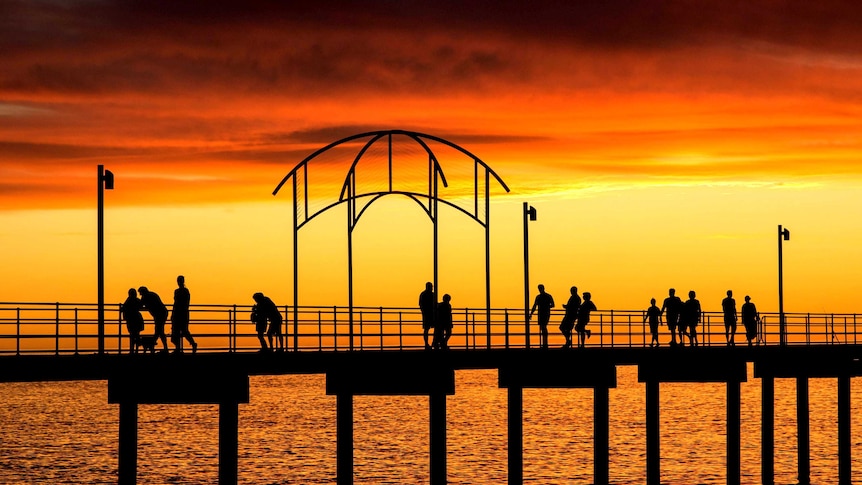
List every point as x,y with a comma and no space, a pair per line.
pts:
415,135
414,196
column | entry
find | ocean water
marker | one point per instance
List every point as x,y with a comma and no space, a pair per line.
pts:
66,432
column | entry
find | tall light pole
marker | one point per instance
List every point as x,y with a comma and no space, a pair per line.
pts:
529,215
106,182
783,235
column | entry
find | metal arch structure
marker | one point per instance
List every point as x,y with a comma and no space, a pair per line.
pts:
358,202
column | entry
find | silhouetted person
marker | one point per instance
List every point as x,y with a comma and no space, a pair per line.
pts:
443,325
690,317
259,320
134,319
270,311
571,315
671,307
750,319
653,314
544,302
427,305
151,302
584,318
728,307
180,317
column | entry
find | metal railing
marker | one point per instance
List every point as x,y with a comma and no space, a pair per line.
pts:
71,328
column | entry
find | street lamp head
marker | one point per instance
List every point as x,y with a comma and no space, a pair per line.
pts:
785,234
532,213
108,178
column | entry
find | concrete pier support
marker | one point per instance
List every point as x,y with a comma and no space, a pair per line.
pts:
844,443
435,381
516,435
344,439
734,441
128,459
228,443
767,430
803,431
553,371
653,436
601,435
437,445
191,386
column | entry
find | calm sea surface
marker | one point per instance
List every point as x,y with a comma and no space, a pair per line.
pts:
67,433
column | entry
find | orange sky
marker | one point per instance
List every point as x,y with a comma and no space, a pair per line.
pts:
662,143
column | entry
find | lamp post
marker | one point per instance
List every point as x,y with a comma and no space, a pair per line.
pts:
105,182
783,235
529,215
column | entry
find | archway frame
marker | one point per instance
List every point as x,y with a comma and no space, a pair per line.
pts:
349,195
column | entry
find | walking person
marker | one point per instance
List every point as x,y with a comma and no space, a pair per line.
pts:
653,314
571,315
728,307
671,307
134,320
427,306
691,317
543,303
443,325
584,318
180,317
750,319
151,302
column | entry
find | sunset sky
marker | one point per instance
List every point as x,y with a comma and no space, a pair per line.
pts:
661,142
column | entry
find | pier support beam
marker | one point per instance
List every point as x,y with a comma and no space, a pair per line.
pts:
128,466
653,437
601,435
844,443
344,439
733,433
437,411
802,431
228,442
767,430
516,435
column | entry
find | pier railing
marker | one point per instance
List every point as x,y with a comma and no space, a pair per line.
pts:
69,328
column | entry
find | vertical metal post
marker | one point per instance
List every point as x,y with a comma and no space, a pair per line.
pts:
295,265
100,257
487,260
57,328
803,431
526,275
601,435
653,438
844,436
516,435
782,328
767,430
350,220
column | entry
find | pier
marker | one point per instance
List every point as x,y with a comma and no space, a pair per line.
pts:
388,358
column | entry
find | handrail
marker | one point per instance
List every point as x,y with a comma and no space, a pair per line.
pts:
71,328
